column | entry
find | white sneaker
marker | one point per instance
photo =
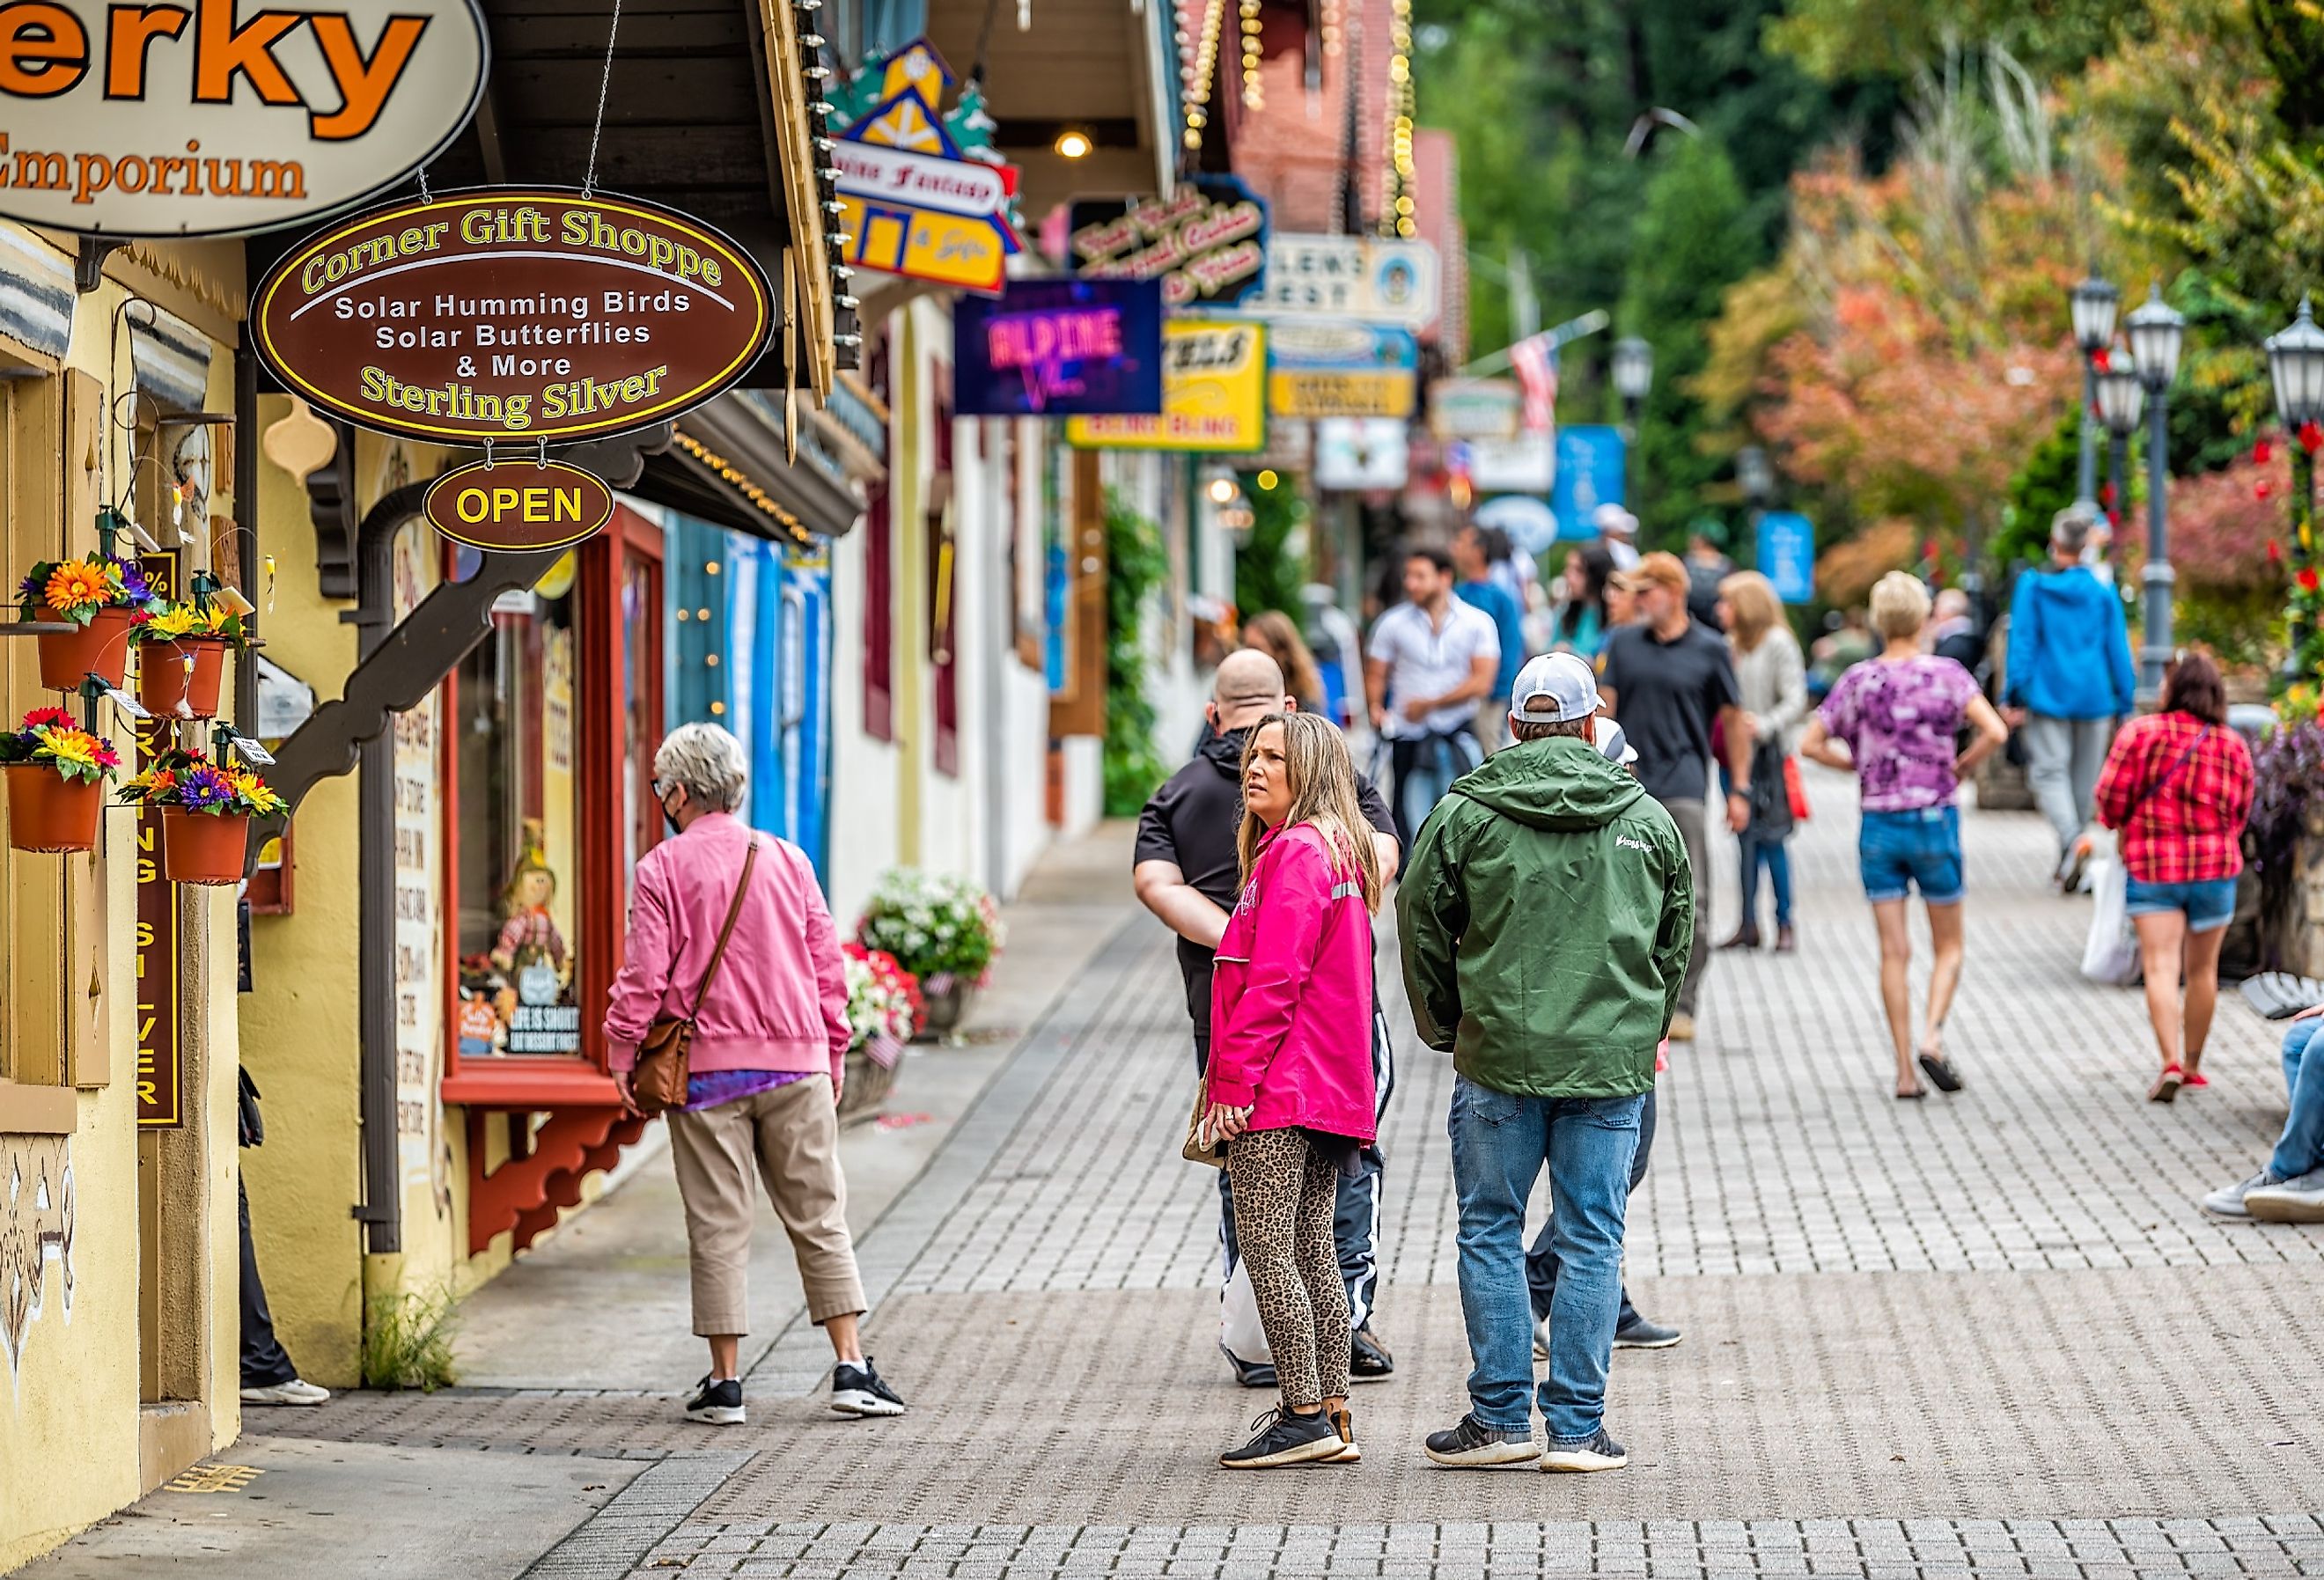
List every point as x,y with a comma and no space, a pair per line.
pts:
2289,1201
297,1391
1541,1340
2228,1201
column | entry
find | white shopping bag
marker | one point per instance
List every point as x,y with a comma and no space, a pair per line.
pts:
2110,955
1241,1333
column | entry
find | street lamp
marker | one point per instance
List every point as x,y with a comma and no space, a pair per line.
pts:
1634,375
1756,477
2156,335
2122,402
2091,305
2295,365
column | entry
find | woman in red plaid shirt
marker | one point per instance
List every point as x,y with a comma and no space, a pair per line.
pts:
2178,785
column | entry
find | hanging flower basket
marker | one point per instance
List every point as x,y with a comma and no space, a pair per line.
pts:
203,847
943,930
182,679
103,597
206,812
56,773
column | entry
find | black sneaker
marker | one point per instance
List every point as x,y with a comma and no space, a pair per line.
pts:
860,1390
1285,1439
1642,1334
1367,1358
1600,1452
1249,1374
1473,1446
720,1404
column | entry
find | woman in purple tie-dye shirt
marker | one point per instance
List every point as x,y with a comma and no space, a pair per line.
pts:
1893,720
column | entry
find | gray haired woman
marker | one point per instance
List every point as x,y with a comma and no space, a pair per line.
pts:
764,1070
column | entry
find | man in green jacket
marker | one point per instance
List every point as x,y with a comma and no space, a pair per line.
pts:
1546,919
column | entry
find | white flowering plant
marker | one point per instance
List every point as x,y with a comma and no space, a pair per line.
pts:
942,929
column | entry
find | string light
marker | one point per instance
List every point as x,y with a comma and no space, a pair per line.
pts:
1396,211
1198,67
1254,91
736,479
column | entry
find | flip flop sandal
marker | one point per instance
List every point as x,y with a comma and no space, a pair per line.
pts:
1941,1071
2166,1084
1914,1096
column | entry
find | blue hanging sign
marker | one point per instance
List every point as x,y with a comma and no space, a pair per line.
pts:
1788,555
1590,464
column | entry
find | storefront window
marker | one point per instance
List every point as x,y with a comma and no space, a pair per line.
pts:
518,731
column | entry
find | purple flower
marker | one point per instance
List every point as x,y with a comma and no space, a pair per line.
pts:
31,590
134,588
202,789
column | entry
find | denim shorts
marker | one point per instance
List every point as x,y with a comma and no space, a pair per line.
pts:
2209,903
1899,852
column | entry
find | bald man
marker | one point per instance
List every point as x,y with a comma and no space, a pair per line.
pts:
1187,874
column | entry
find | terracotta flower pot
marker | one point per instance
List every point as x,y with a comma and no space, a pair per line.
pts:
48,811
203,847
99,648
165,680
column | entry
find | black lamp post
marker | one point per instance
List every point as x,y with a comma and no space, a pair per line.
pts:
2122,402
2295,365
2156,335
1634,375
1756,477
2092,306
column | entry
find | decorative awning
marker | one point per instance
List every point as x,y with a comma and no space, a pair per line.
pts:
726,464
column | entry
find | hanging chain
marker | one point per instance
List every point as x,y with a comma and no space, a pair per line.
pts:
604,87
424,196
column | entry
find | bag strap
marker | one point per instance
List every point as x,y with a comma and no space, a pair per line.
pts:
733,914
2167,775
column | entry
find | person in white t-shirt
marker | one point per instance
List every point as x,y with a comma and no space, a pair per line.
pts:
1618,534
1429,660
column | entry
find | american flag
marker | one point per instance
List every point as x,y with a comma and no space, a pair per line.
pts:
1535,362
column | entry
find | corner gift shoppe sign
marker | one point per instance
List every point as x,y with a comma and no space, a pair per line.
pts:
515,315
207,117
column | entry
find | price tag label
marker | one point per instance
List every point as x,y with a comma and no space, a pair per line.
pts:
252,753
127,703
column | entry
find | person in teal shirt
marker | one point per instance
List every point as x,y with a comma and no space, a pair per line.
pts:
1478,589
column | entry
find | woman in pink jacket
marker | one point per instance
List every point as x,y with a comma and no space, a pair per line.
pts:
1290,1076
763,1073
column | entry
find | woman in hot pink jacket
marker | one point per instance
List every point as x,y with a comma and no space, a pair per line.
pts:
1290,1075
763,1072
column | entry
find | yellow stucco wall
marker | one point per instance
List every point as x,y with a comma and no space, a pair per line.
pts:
71,1379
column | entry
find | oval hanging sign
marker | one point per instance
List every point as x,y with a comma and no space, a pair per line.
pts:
519,505
192,119
505,313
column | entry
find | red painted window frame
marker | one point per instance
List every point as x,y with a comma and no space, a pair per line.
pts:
944,647
601,913
879,579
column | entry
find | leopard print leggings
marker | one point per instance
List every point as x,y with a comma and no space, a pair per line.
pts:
1284,1194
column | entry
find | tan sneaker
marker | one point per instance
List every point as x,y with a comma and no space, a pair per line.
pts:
1343,1420
1682,1027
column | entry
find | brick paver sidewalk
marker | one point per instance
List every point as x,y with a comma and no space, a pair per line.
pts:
1988,1335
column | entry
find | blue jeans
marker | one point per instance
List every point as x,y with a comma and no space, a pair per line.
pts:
1541,1256
1424,767
1499,1144
1773,857
2301,1147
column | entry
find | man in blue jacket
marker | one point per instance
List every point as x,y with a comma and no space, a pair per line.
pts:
2069,679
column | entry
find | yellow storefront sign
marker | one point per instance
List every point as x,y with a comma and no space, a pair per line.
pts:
1213,394
1308,392
926,243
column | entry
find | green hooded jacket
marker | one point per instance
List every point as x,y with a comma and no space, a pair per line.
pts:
1545,918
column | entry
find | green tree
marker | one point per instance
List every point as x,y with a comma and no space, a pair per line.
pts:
1135,565
1268,574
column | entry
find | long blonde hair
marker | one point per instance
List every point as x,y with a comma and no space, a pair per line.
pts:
1751,599
1321,779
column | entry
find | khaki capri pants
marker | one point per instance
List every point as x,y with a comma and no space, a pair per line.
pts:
791,1133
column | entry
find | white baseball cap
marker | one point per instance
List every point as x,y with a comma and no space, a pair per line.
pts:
1564,684
1612,518
1613,744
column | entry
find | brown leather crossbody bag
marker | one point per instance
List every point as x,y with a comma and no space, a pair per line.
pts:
658,1082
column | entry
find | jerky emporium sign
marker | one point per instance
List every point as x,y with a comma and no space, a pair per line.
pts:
1207,243
508,313
519,506
210,118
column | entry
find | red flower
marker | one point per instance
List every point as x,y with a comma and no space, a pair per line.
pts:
2307,578
2263,452
2274,553
41,718
2311,436
2102,359
2262,489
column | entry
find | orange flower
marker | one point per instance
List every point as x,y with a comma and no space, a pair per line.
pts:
76,585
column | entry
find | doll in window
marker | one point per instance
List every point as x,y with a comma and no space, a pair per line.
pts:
531,951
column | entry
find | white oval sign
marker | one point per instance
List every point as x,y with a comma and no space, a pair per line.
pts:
210,117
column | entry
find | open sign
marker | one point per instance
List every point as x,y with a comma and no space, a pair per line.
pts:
520,506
